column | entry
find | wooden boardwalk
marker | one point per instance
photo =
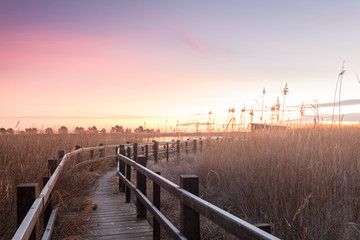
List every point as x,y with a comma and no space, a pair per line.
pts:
114,219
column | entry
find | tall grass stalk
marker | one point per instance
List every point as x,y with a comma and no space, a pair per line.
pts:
339,79
284,91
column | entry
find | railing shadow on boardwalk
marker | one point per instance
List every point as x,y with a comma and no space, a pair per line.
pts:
133,157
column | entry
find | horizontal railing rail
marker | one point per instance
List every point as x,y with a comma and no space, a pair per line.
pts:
123,154
41,201
227,221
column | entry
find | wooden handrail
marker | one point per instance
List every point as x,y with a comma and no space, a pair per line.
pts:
227,221
32,216
50,225
171,229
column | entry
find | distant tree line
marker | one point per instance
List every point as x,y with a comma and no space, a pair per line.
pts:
7,131
141,129
80,130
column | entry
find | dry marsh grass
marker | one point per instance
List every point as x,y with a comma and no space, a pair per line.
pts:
23,159
304,182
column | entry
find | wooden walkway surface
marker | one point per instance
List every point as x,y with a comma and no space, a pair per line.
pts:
114,219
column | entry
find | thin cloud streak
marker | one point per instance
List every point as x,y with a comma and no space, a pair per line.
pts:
185,37
349,102
350,117
190,40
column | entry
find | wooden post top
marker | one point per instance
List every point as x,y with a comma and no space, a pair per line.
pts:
24,185
188,176
61,154
52,165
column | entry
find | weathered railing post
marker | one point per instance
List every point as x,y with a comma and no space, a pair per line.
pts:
141,185
128,152
167,151
121,168
61,154
128,177
52,165
48,207
147,152
195,147
186,145
156,150
91,157
178,148
78,156
201,144
135,150
117,162
101,151
156,202
26,195
189,218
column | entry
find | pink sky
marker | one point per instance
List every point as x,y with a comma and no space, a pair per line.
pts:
170,60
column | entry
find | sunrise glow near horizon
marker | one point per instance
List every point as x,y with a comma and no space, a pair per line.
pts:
85,63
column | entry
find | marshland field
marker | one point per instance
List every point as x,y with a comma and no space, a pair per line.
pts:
303,181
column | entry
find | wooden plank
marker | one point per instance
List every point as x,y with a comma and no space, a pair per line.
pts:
113,218
117,237
169,227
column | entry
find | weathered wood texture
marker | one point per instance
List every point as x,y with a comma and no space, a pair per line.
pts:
114,219
189,218
156,202
26,194
141,185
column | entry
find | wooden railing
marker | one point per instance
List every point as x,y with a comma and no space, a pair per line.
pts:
135,156
191,205
32,205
